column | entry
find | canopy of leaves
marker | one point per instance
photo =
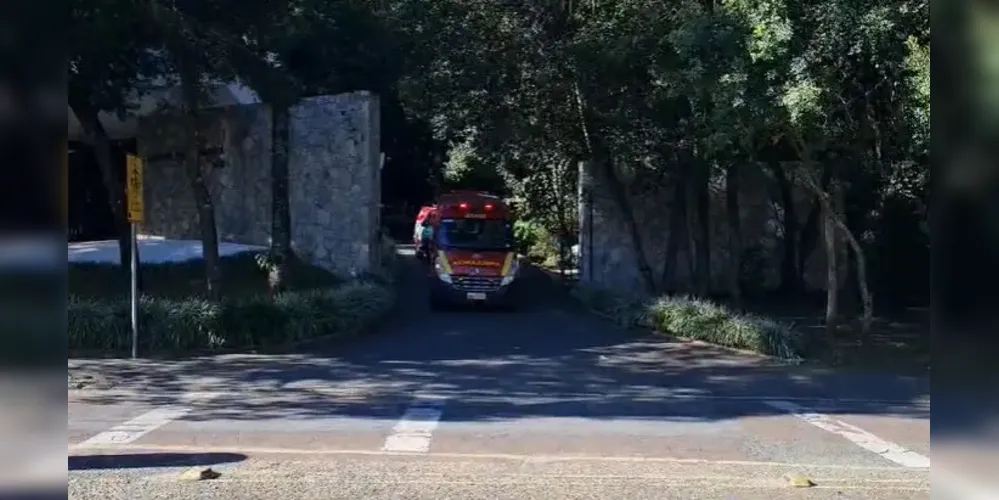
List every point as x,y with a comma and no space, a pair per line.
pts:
521,91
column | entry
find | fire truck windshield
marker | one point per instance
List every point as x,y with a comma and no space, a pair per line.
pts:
476,234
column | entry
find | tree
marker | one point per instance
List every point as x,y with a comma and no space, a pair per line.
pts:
222,41
846,129
656,96
306,48
186,40
110,60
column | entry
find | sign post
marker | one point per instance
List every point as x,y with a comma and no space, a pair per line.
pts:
136,213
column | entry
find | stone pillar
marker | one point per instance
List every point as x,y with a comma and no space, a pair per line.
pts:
374,160
610,254
335,187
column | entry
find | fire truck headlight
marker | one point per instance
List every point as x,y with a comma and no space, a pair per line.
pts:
514,269
441,273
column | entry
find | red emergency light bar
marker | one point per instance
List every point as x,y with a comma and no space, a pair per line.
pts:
468,204
488,206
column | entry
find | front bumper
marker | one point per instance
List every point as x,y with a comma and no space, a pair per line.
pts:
474,289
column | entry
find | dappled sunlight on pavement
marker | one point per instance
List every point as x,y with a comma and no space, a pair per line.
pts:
472,392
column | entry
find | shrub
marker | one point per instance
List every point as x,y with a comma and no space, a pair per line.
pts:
698,319
526,234
172,324
537,242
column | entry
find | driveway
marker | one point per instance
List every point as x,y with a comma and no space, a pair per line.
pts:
547,402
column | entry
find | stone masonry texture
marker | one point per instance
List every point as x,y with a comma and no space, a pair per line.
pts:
334,186
609,260
335,182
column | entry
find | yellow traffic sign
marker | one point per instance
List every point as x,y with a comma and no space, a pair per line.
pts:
136,205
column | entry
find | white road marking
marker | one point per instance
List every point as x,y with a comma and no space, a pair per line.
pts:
134,429
886,449
942,480
413,432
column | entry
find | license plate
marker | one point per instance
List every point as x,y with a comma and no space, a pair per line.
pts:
476,296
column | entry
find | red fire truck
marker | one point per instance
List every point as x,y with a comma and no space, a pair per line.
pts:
473,258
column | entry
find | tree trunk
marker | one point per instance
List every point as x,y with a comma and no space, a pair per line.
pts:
90,122
810,232
790,277
701,177
280,250
850,300
585,230
838,223
558,179
678,230
808,239
190,87
734,233
834,221
832,270
690,221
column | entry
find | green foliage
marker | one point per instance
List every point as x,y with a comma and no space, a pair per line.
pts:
109,53
170,325
466,169
522,92
527,234
698,319
703,320
535,241
173,317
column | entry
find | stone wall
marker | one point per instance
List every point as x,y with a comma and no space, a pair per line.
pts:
335,181
608,258
334,188
236,152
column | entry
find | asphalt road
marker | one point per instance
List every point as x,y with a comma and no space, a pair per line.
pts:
547,402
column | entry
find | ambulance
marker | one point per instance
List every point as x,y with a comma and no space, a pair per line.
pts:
473,255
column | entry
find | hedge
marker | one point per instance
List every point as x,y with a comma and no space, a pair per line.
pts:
179,324
169,324
698,319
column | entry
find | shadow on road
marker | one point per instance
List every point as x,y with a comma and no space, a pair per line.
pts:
550,359
151,460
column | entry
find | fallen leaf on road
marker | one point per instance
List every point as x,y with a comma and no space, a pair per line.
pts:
799,481
199,474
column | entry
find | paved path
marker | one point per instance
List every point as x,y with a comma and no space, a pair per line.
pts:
544,403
